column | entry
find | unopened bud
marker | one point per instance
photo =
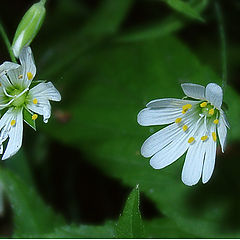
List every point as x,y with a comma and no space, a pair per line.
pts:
29,27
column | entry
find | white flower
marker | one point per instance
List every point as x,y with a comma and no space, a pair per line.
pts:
19,101
194,126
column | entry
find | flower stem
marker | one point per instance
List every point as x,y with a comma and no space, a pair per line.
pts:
223,44
7,43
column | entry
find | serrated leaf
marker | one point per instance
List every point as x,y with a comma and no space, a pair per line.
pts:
27,116
130,223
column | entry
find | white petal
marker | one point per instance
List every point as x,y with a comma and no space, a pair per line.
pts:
209,161
5,82
159,140
222,131
169,102
14,76
214,94
193,90
192,168
27,62
42,107
148,116
15,136
47,90
163,137
6,66
172,151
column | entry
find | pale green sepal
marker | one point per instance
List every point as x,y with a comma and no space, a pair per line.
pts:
27,116
28,27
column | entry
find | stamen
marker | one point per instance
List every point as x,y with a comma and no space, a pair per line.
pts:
211,111
203,104
0,84
214,136
185,128
204,138
191,139
13,122
20,76
186,107
216,121
35,101
29,76
34,116
178,120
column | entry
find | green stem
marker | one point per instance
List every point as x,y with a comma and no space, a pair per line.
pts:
223,44
8,44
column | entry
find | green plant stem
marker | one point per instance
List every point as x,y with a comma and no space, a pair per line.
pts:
8,44
223,44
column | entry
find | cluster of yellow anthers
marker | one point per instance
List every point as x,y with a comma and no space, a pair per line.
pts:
208,111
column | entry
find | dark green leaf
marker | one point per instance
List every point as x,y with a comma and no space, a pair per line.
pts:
81,231
130,223
31,215
108,17
184,8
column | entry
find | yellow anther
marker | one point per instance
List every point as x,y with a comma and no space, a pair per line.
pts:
13,122
211,111
178,120
186,107
20,76
0,84
203,104
214,136
204,138
35,101
216,121
34,116
185,128
191,139
184,111
29,76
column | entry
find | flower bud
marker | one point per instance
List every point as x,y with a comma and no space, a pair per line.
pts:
29,27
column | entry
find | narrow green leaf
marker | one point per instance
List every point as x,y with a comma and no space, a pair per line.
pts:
31,215
184,8
27,116
130,223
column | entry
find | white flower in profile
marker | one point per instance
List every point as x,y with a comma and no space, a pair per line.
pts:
16,98
194,127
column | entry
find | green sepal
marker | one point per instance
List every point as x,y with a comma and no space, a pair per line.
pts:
27,116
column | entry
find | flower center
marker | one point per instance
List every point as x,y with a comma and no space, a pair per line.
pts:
208,110
19,99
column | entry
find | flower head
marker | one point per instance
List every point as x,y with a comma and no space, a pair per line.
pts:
195,126
19,102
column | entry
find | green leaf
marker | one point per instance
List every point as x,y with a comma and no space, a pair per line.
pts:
107,17
184,8
81,231
164,228
27,116
130,223
31,215
104,127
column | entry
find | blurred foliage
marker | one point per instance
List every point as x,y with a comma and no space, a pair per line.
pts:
108,65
